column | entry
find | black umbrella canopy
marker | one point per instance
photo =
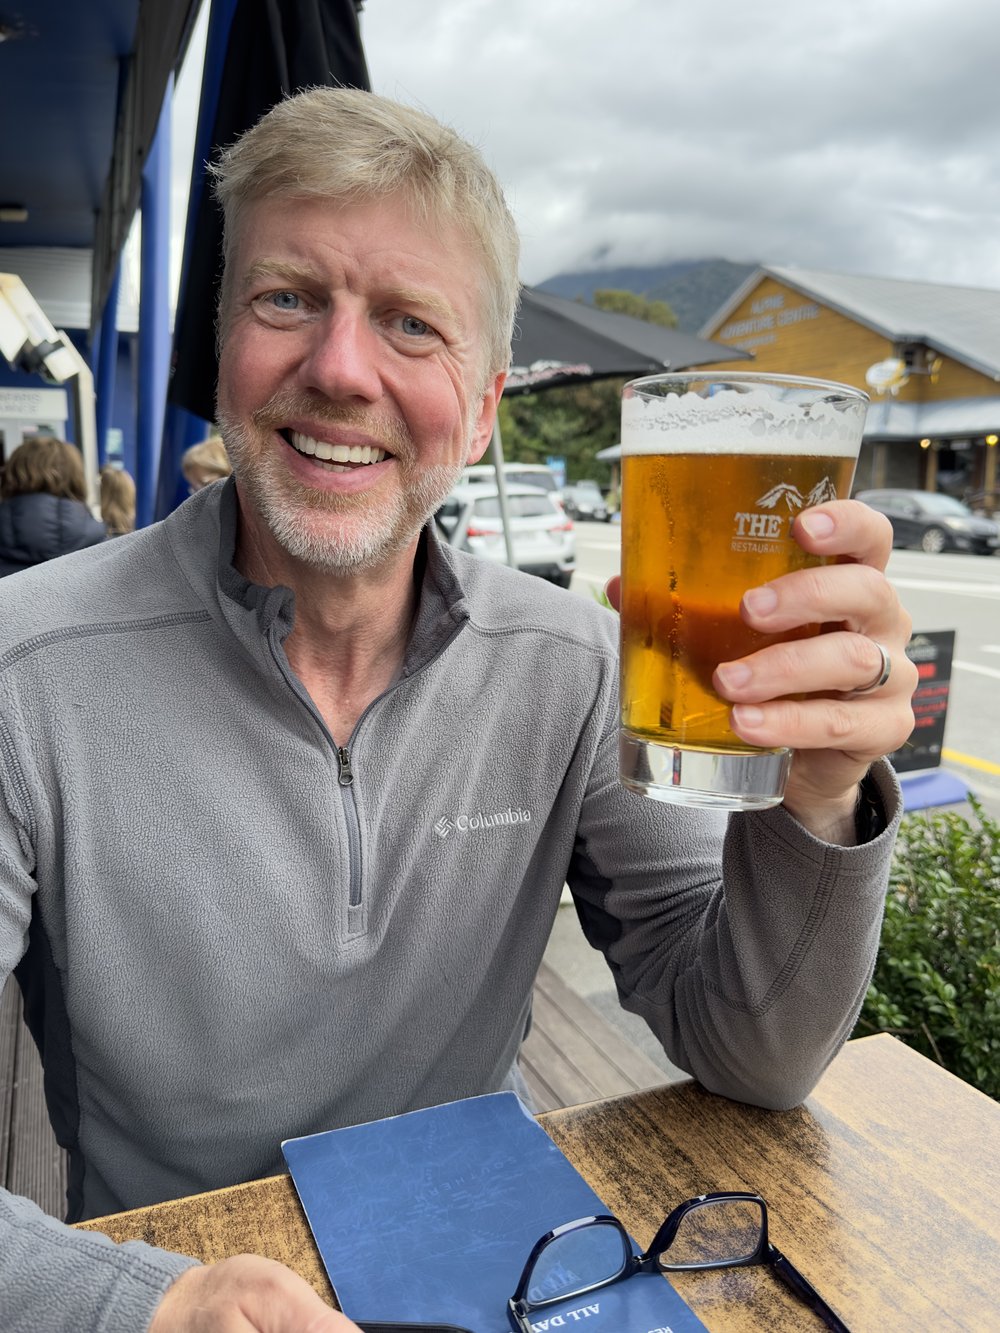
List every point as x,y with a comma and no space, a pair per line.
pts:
275,48
563,342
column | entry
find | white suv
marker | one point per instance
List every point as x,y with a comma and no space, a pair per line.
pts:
514,474
541,534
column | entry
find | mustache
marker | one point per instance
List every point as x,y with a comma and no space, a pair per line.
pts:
286,404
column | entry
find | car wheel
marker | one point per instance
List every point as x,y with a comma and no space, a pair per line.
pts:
933,541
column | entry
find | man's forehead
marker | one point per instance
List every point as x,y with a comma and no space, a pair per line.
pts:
434,270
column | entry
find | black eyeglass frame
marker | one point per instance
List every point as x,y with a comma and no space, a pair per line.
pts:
765,1253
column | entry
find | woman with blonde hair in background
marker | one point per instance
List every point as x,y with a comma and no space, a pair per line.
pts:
43,513
117,500
206,462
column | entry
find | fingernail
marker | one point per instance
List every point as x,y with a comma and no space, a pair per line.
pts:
734,675
817,525
747,715
760,601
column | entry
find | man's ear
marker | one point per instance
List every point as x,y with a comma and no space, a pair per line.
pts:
483,428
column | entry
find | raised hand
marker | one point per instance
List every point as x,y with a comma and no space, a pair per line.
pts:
819,696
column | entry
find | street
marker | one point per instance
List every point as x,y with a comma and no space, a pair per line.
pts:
941,592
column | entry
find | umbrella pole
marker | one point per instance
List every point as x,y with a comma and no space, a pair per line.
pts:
496,451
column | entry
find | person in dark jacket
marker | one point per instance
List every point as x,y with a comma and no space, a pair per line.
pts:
43,513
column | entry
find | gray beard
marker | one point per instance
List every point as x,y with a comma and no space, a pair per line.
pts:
350,546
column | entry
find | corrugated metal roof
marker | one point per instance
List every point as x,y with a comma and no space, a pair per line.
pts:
946,419
961,322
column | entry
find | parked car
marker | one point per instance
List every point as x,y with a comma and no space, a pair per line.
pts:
933,522
583,500
542,534
514,474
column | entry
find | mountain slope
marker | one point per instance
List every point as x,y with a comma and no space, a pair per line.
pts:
693,288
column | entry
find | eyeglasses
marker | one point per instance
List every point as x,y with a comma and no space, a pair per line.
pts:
727,1230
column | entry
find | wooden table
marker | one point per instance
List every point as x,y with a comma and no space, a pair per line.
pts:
883,1188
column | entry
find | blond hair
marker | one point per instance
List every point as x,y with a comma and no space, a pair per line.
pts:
44,464
351,147
210,455
117,500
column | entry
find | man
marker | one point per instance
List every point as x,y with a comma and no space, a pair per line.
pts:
235,746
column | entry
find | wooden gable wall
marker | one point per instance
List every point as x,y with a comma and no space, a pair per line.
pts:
791,333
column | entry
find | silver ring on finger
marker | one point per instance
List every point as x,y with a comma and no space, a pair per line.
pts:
883,674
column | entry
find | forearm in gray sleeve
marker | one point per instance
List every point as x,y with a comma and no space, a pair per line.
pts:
57,1280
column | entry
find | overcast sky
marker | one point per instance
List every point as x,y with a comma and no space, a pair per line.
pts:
859,137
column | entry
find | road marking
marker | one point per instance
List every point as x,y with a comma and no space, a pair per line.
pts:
963,589
970,761
979,670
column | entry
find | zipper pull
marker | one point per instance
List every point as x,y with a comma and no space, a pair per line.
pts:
346,772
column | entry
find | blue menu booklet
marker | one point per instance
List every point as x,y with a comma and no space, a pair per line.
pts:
431,1216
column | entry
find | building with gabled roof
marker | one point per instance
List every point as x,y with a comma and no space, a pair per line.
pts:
927,353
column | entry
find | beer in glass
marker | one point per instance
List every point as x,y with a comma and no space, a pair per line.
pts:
715,469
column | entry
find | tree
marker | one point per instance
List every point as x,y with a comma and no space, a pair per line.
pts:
628,303
572,422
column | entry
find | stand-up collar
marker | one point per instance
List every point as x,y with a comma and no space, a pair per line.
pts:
252,610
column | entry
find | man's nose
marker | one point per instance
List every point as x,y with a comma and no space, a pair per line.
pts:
342,359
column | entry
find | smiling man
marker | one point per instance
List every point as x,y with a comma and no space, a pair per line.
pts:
289,790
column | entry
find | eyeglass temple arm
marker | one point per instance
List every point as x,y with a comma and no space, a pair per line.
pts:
805,1290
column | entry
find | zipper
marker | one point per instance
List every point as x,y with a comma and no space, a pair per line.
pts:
345,770
345,780
345,773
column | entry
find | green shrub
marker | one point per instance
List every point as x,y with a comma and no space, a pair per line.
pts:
937,981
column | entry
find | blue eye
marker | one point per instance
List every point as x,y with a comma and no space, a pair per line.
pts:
284,300
410,324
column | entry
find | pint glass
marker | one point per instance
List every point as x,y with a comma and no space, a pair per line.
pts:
715,469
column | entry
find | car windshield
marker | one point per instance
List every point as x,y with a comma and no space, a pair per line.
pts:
521,506
944,504
545,481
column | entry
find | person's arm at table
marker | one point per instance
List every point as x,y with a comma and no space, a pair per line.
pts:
744,942
60,1280
245,1294
753,981
66,1281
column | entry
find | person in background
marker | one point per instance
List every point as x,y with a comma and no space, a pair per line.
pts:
43,511
206,462
117,500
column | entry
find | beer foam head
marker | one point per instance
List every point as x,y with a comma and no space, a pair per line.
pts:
776,417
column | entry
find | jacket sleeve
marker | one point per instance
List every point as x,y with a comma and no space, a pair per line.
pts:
57,1280
744,942
54,1279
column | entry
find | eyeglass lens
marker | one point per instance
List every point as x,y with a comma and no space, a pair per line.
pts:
578,1260
719,1231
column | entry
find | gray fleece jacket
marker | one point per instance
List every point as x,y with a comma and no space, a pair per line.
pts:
229,932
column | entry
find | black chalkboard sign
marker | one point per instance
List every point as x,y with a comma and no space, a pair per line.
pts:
932,655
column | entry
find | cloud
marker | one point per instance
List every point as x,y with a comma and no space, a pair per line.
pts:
852,137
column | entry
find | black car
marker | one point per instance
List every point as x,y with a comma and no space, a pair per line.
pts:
929,521
583,500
